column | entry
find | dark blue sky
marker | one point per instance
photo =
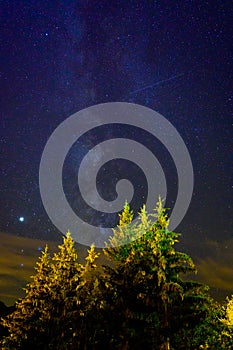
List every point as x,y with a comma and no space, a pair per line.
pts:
60,57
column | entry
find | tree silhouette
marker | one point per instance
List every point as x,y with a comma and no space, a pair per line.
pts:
140,299
47,317
27,324
143,287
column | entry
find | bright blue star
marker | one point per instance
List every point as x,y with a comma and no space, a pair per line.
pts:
21,219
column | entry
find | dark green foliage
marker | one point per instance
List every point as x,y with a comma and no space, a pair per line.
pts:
47,317
138,301
150,300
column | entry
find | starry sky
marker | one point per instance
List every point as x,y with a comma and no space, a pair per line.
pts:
173,57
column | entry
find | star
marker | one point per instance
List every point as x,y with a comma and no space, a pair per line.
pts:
65,61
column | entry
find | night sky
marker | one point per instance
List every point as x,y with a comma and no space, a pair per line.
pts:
174,57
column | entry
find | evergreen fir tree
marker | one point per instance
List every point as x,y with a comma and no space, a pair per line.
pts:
213,332
143,288
55,312
229,312
66,274
28,323
139,299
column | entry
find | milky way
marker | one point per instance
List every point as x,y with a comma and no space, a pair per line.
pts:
58,59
